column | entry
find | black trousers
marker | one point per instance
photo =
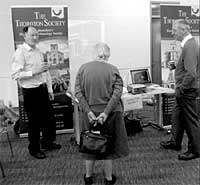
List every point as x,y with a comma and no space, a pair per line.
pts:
40,115
185,117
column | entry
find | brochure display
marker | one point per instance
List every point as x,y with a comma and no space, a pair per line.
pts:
52,25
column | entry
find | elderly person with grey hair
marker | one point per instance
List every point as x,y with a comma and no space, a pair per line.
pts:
98,88
184,115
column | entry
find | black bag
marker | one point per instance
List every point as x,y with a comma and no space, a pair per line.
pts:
132,125
93,142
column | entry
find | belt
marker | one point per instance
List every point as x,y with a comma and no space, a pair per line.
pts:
43,85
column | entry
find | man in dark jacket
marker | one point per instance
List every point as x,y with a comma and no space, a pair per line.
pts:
184,115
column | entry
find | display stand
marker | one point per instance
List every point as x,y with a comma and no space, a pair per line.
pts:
76,118
157,92
63,112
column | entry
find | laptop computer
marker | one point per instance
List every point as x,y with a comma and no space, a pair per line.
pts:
140,76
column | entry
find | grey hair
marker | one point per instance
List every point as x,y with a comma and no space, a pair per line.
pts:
101,51
183,24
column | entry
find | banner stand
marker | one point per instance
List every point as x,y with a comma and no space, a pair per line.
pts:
52,25
64,131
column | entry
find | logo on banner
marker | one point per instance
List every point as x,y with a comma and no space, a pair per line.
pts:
195,11
57,12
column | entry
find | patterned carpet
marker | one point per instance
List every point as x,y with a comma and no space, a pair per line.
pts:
147,163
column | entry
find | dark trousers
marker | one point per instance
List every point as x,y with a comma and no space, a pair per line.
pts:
185,117
40,117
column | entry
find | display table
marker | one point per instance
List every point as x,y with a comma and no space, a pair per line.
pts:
133,102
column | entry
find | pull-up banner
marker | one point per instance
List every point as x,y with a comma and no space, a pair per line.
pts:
171,13
52,25
170,48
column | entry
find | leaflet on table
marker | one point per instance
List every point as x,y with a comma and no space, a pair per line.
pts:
131,102
159,90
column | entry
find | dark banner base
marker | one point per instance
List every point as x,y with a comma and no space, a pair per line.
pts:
63,112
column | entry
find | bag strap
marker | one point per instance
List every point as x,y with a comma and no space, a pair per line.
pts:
95,126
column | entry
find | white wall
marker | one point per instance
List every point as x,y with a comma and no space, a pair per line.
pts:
127,31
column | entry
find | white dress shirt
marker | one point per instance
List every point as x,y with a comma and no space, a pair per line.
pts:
189,36
26,60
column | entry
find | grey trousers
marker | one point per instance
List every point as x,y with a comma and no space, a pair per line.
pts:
185,118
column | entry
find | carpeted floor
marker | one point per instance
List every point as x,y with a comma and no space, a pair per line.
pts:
147,164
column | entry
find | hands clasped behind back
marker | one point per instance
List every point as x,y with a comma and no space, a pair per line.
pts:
100,119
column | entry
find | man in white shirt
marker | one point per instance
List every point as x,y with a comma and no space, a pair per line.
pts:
32,75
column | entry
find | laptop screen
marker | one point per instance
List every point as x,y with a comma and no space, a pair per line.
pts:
140,76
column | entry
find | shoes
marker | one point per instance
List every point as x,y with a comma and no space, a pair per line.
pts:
187,156
110,182
170,145
38,155
55,146
88,180
52,146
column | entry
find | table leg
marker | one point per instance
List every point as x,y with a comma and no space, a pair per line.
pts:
76,123
159,117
